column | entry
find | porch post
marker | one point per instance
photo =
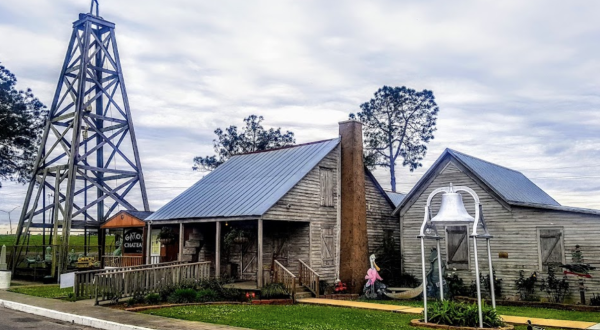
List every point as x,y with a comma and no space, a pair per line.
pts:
149,244
218,250
259,274
181,232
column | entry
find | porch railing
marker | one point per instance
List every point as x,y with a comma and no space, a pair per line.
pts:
284,276
122,261
121,284
308,278
84,280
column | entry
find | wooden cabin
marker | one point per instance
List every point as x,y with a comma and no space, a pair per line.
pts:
313,205
531,230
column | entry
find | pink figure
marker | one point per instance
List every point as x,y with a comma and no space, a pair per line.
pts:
372,273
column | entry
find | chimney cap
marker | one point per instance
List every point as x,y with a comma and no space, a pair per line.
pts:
349,121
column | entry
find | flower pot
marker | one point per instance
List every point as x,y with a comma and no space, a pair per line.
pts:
165,241
240,240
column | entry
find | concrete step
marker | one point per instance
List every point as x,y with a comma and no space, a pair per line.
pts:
304,295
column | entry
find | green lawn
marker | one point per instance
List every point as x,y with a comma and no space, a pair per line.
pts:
292,317
36,240
543,313
45,291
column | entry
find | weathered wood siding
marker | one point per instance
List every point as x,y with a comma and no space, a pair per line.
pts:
515,231
303,203
379,217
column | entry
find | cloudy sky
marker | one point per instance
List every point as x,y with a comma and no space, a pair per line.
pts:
517,81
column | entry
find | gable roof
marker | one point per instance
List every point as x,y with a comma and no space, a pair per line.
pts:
248,184
511,186
395,197
119,220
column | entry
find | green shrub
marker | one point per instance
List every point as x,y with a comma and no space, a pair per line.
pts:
207,295
136,299
274,291
556,289
456,286
224,293
526,286
166,291
152,298
453,313
182,296
595,300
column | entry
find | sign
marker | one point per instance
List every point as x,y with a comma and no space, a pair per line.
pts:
133,241
67,280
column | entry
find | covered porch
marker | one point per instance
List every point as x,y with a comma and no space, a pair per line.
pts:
251,252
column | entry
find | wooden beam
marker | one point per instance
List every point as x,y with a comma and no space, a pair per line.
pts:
259,275
181,242
149,244
218,249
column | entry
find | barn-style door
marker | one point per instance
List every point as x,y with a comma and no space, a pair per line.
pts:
327,246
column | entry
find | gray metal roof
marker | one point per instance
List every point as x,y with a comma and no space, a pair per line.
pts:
513,186
396,198
246,185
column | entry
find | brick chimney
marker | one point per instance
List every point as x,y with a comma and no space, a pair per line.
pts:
354,261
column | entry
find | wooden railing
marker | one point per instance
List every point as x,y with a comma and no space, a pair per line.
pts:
121,284
308,278
83,286
122,261
285,277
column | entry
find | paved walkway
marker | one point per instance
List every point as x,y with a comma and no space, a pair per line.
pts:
418,310
86,308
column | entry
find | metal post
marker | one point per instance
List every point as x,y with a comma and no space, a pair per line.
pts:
439,255
424,282
492,289
477,281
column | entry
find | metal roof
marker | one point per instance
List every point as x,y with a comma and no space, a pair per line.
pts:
396,198
140,214
246,185
512,185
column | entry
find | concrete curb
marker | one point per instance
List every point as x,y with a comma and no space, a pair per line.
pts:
65,317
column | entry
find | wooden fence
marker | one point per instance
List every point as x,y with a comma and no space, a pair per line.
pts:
284,276
308,278
121,284
84,281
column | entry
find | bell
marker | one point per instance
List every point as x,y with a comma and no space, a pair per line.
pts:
452,211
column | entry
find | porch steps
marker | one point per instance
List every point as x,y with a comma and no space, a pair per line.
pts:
303,292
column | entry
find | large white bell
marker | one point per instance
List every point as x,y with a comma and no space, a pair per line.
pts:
452,211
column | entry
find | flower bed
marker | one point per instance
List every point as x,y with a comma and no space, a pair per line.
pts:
420,323
273,302
144,308
536,304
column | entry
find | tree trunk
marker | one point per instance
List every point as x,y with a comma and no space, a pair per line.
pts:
392,170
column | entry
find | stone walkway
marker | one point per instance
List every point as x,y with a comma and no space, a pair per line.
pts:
130,320
418,310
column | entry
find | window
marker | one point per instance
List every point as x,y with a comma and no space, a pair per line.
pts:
457,240
550,247
326,182
327,246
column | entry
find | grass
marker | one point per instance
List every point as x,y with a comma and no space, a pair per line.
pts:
544,313
36,241
44,291
291,317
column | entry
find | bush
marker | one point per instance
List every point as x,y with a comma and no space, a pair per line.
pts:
274,291
136,299
152,298
556,289
453,313
182,296
456,286
526,286
207,295
166,291
224,293
595,300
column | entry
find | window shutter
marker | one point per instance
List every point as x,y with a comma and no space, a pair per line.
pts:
458,246
326,183
551,247
327,247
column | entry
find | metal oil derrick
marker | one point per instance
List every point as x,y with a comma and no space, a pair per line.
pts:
88,165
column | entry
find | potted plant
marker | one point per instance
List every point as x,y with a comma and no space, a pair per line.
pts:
166,236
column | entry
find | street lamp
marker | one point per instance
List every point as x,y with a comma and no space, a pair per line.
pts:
9,221
452,212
